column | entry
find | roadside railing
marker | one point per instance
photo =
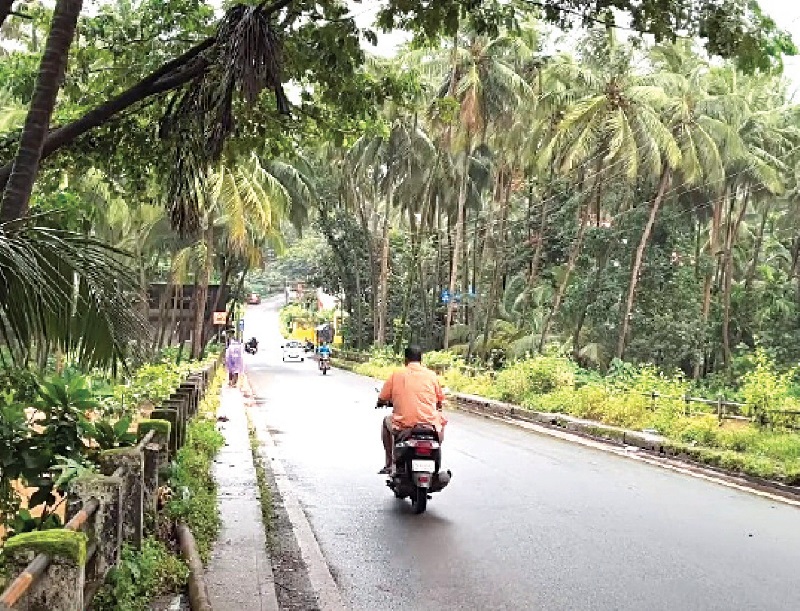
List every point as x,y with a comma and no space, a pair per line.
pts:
62,569
722,407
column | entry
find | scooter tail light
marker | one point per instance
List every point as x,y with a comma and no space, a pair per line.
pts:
422,443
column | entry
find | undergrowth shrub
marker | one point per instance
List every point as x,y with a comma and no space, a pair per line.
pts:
141,576
195,492
534,376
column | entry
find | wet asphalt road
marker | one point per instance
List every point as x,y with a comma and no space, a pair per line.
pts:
528,522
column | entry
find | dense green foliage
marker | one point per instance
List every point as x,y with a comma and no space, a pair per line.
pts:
195,492
614,201
141,576
76,417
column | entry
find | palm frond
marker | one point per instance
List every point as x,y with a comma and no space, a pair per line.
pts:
62,290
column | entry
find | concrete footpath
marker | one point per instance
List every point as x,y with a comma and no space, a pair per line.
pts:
239,574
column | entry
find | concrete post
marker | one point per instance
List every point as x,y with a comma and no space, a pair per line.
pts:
178,403
156,455
190,390
107,519
60,587
131,461
171,416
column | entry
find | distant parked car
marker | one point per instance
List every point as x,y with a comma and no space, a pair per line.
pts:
254,299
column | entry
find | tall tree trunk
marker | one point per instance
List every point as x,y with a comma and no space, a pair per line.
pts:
666,176
708,283
201,295
462,200
482,266
166,310
753,268
176,315
223,284
572,260
499,261
728,282
591,295
465,316
183,324
383,304
412,270
17,194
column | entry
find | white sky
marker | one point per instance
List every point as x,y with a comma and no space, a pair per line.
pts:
786,14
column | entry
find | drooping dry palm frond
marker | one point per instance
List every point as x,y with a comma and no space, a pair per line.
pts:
244,62
62,290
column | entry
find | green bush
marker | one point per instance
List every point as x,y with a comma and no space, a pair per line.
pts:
534,376
443,359
195,500
764,388
141,576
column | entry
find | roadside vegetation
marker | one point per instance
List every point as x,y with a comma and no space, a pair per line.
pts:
194,491
56,432
767,445
479,192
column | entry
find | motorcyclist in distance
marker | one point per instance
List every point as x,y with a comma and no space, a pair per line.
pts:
324,352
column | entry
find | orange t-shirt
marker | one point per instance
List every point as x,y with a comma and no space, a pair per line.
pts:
414,391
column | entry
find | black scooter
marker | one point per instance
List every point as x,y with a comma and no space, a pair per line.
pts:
416,464
251,347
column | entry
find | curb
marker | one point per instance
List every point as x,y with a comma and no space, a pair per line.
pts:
652,449
322,582
198,591
590,434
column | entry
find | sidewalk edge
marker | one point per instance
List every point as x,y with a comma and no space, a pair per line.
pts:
319,574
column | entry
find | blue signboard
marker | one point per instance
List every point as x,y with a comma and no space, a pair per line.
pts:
445,296
241,324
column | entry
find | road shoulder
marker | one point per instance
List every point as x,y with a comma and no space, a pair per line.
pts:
302,574
239,574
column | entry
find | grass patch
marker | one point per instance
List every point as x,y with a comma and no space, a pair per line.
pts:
194,490
141,576
264,491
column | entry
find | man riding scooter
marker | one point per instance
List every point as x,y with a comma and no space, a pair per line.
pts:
416,397
324,352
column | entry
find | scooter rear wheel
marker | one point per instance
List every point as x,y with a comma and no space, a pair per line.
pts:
419,500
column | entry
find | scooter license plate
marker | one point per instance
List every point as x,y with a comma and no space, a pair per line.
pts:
426,466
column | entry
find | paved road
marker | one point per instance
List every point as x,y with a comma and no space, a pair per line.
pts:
528,522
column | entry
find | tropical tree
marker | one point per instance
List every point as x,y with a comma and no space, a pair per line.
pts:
17,192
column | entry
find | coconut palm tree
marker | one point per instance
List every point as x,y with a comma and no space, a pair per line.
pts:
243,209
613,126
65,292
691,115
16,196
480,80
